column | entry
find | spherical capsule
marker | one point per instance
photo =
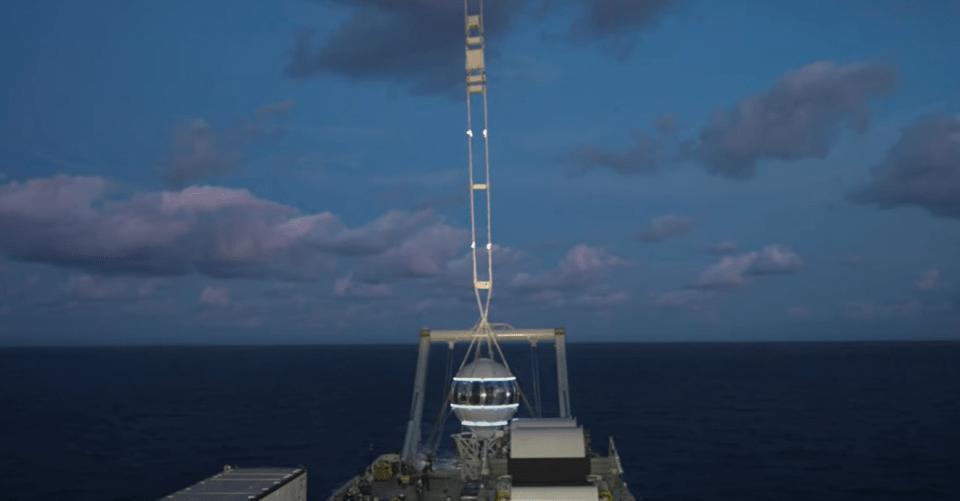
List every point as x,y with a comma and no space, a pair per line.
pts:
484,396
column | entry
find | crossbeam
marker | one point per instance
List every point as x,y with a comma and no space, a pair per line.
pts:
501,335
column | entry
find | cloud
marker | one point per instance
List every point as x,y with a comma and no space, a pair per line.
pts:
776,259
69,221
253,244
643,157
274,110
220,232
580,269
198,151
347,287
423,255
374,237
922,169
46,201
928,280
617,22
95,288
722,248
214,296
664,227
729,273
208,199
647,154
461,269
801,116
666,124
420,43
733,272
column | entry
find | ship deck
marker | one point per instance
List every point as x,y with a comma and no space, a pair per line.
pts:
447,484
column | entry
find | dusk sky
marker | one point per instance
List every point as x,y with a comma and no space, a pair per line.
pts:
237,172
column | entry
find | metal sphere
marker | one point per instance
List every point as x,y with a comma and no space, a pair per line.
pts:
484,395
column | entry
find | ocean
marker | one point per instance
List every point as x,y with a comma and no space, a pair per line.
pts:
692,421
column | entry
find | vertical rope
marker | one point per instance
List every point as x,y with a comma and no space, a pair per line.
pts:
482,303
473,217
486,157
535,369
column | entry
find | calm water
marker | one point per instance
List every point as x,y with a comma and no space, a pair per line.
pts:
871,421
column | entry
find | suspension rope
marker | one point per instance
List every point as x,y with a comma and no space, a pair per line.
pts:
477,84
433,443
486,158
535,369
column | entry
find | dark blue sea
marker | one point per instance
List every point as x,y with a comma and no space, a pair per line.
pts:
779,421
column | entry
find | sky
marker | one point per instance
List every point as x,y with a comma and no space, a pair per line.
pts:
290,172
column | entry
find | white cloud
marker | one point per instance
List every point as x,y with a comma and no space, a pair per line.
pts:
730,272
580,269
220,232
776,259
733,272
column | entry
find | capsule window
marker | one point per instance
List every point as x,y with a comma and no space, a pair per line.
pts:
460,395
489,392
485,393
475,393
500,393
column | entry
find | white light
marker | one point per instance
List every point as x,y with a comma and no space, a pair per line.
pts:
473,245
483,423
496,407
485,379
489,246
469,132
484,132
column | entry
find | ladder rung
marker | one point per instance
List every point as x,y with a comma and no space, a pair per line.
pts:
473,22
474,40
480,186
476,88
477,78
474,59
482,284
